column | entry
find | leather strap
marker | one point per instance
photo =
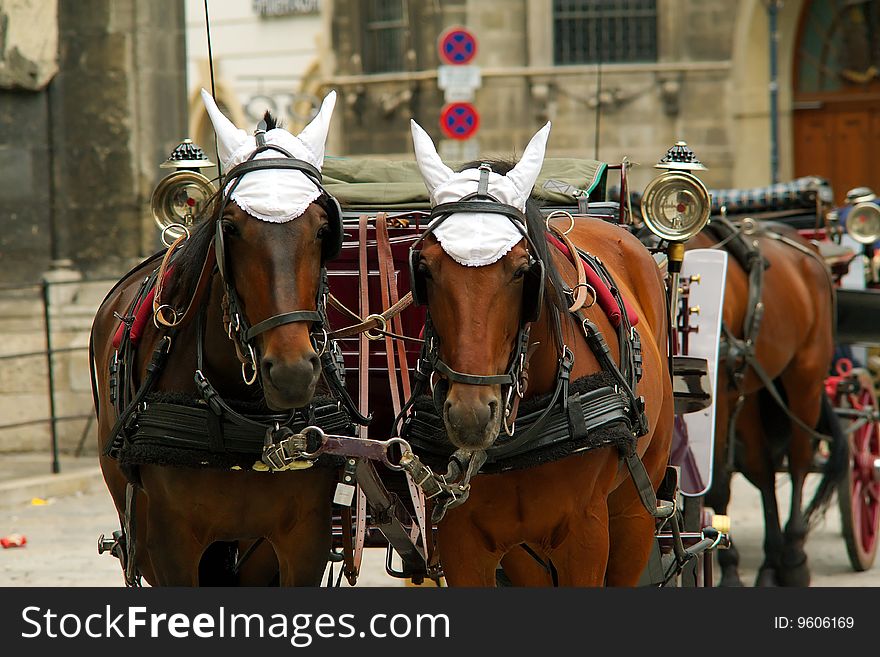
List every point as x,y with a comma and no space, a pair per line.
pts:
280,320
352,559
372,323
205,276
473,379
480,206
289,163
389,296
581,288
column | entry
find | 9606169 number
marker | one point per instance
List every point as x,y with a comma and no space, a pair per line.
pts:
825,622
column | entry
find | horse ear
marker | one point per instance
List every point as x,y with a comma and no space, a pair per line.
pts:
433,170
314,135
229,138
525,173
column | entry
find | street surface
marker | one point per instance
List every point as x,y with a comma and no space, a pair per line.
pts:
62,538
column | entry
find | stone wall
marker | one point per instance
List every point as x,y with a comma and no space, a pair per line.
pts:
92,100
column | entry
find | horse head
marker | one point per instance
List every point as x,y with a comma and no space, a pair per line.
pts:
481,274
272,232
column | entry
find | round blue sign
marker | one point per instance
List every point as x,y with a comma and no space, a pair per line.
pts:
459,120
457,46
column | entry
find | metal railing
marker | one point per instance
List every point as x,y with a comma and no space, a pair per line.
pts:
44,288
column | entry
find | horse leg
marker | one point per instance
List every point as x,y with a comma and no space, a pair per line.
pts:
522,569
631,526
465,557
302,546
631,534
718,496
174,550
581,559
805,405
759,468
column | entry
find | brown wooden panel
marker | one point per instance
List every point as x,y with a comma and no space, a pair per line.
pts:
851,151
873,179
812,138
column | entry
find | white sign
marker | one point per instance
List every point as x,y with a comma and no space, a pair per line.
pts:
708,294
463,77
271,8
458,82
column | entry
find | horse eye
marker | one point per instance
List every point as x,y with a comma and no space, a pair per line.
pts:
229,228
519,273
423,269
323,231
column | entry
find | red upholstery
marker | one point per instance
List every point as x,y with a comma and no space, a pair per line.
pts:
603,295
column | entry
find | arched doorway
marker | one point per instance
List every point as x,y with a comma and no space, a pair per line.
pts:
837,93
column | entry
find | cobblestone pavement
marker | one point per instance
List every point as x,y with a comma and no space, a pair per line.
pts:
62,536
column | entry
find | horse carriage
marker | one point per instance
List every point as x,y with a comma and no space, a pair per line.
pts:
847,447
427,361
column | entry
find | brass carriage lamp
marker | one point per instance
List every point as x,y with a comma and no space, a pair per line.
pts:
676,206
676,203
863,219
180,196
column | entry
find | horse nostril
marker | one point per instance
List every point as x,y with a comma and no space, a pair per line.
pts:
493,410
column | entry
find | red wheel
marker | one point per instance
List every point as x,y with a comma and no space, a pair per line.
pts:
859,493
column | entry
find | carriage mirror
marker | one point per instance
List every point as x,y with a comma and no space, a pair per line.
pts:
180,196
863,223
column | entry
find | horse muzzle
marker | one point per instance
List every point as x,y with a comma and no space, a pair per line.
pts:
472,416
289,385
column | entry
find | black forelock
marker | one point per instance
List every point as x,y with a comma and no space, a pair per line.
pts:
271,121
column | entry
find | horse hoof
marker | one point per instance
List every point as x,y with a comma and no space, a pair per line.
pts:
799,576
767,577
731,580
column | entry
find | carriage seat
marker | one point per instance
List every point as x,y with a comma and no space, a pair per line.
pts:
799,194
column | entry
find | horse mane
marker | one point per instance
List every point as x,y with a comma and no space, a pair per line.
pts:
536,227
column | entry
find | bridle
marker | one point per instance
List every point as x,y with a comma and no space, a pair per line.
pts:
237,327
515,377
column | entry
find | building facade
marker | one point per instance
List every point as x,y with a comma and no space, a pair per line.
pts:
265,55
624,77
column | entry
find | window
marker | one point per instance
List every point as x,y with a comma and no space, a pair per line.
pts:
839,46
385,28
592,31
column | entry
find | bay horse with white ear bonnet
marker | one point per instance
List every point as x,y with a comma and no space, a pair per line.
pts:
181,426
545,395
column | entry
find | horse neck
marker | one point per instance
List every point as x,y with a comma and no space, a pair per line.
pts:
544,364
220,365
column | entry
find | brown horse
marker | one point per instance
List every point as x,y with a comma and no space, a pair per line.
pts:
580,514
272,268
794,346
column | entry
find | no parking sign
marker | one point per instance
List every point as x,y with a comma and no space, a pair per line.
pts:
459,120
457,46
